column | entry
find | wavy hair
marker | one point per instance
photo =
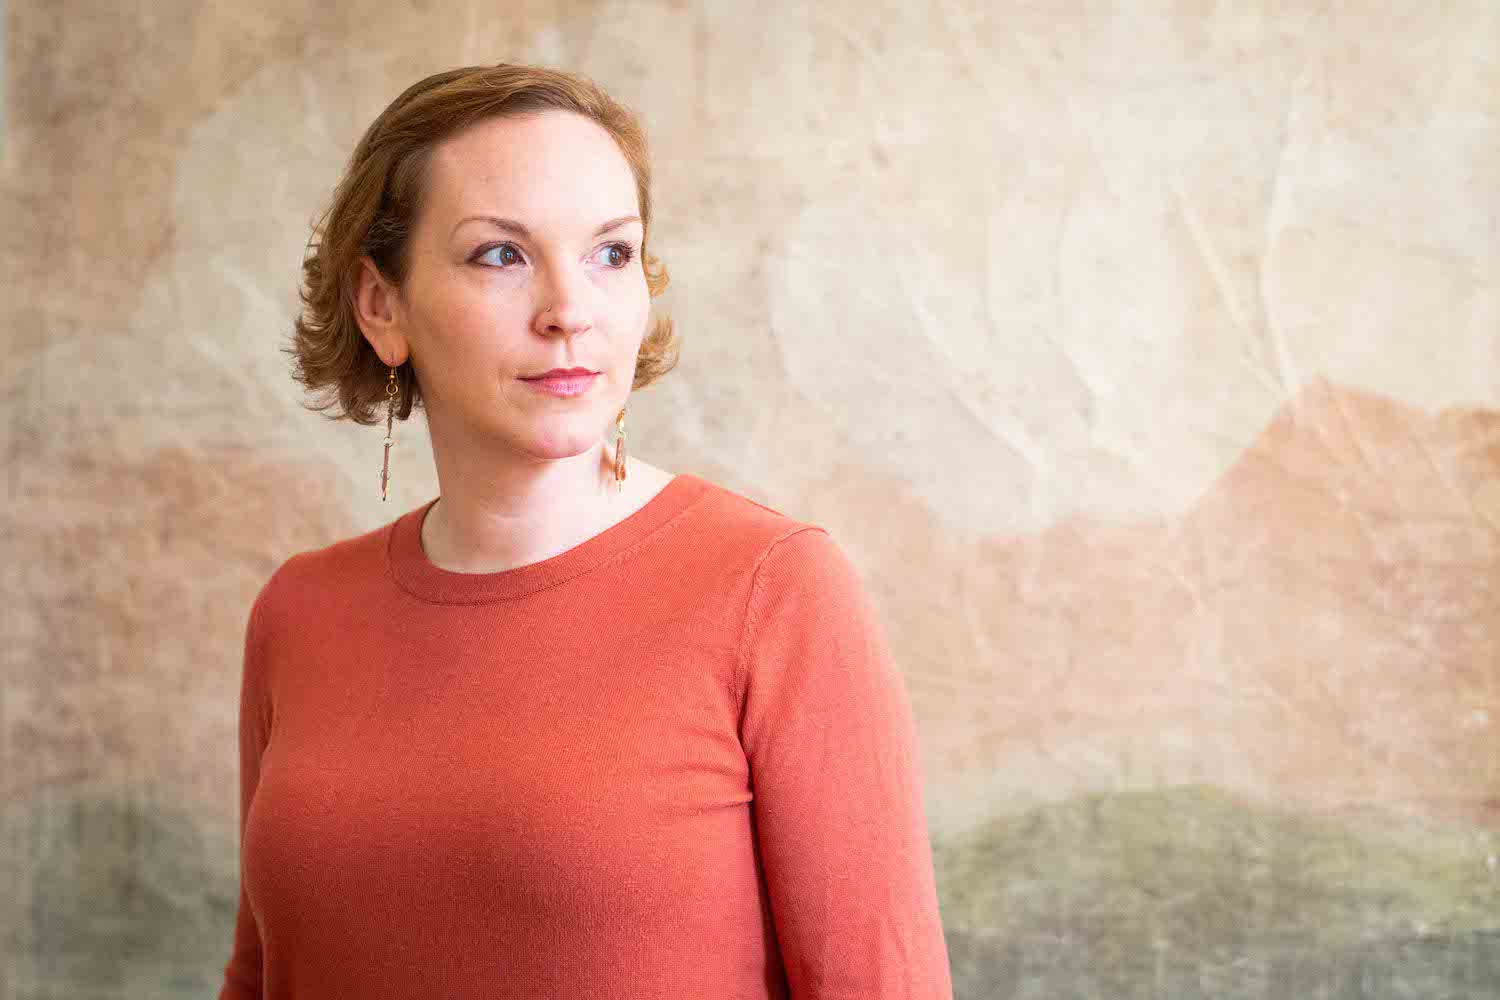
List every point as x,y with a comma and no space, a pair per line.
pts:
375,205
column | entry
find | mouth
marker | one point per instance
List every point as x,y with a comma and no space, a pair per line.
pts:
561,373
567,384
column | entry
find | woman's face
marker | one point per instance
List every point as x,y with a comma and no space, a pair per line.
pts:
525,258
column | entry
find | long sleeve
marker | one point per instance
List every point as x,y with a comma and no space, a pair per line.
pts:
827,727
242,974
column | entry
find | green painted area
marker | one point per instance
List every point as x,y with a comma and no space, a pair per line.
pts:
1189,891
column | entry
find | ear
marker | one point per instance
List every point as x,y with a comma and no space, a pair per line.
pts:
378,310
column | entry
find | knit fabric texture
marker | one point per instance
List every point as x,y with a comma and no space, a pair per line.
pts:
674,761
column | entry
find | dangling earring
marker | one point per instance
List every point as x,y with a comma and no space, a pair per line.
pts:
391,391
620,446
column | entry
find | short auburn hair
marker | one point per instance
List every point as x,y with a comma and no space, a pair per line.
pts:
375,205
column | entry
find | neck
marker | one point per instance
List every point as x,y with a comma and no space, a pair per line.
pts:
493,518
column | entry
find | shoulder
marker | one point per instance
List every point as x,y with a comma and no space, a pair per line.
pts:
784,553
752,528
310,577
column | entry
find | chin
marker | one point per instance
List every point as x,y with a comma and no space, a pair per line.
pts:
562,442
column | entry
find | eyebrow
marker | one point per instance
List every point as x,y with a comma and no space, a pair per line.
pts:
511,225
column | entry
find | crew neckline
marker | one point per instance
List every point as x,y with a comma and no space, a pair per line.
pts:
413,572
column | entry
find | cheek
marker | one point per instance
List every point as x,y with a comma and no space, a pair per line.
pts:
456,303
640,323
464,324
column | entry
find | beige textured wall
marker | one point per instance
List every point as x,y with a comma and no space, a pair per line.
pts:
1146,357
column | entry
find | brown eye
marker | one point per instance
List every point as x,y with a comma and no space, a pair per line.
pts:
624,253
498,255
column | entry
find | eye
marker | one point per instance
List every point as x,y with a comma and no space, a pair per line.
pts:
499,250
504,255
624,253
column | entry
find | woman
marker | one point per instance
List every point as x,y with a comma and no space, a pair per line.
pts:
576,727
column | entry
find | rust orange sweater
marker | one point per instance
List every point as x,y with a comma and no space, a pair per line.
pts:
674,761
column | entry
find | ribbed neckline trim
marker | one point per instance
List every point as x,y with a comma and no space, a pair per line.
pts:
409,566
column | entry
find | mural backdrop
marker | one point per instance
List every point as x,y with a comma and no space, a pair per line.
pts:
1145,357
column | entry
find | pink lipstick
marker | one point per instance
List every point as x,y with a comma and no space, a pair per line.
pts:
558,383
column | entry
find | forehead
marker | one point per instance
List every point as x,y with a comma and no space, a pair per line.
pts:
555,168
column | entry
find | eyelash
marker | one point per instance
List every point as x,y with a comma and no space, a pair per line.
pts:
627,249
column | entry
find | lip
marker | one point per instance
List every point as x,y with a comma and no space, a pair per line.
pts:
563,385
559,372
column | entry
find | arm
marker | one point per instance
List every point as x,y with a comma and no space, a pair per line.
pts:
242,974
840,823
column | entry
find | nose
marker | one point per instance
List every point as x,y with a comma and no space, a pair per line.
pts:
563,305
